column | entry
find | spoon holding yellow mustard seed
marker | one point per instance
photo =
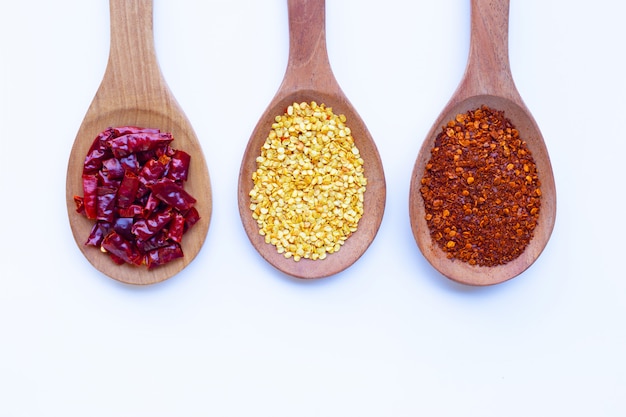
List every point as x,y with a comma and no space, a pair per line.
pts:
487,81
133,92
309,78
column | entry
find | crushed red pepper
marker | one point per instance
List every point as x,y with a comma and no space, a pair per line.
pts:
480,189
133,185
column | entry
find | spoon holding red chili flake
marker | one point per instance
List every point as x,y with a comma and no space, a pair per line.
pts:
135,193
482,199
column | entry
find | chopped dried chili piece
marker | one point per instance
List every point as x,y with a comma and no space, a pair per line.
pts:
481,190
176,228
173,194
191,217
90,199
151,204
157,241
179,166
138,142
131,163
106,204
133,189
127,192
163,255
113,168
122,248
154,169
93,161
104,180
97,153
146,228
80,204
99,230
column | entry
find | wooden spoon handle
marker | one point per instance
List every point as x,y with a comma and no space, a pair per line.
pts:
488,70
132,71
308,65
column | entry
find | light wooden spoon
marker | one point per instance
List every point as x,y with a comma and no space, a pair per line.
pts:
309,77
133,92
487,80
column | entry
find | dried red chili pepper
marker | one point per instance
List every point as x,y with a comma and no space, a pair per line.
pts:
173,194
98,232
113,169
126,130
191,217
133,210
90,199
154,169
98,153
146,228
80,204
105,204
159,240
177,228
163,255
127,192
122,248
145,140
179,166
133,189
481,190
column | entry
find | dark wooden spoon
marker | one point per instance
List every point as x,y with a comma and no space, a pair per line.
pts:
133,92
487,81
309,78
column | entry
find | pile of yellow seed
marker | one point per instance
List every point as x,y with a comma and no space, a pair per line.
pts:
309,184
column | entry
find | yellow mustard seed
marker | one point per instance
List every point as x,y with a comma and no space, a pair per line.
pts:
309,183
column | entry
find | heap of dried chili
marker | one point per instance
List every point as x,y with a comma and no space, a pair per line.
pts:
480,188
133,185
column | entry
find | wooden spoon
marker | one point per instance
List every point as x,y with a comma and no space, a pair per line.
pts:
309,78
487,80
133,92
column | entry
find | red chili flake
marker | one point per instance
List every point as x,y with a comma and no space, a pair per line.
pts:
133,186
481,191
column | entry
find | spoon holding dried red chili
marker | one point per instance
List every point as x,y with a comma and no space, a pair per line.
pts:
483,162
134,93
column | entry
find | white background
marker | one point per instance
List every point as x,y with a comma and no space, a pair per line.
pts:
230,336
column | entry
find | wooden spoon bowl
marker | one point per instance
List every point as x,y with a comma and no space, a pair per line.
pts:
487,81
133,92
309,78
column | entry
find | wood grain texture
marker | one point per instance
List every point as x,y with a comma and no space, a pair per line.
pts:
133,92
487,81
309,77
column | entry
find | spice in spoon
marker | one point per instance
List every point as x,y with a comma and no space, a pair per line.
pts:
309,184
480,189
133,190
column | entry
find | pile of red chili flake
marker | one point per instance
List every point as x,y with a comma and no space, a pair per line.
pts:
480,188
133,189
